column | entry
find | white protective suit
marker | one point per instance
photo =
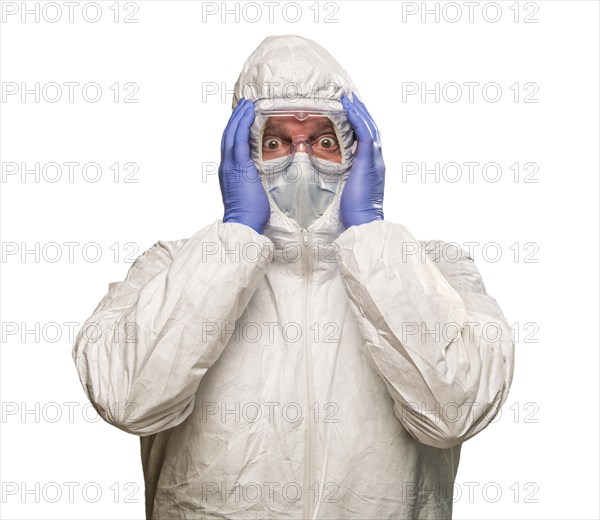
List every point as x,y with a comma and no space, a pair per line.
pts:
320,373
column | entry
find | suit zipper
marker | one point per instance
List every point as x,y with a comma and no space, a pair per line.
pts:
308,450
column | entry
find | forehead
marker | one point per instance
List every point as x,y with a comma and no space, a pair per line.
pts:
292,125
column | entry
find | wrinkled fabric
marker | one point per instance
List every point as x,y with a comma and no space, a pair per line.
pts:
321,373
290,73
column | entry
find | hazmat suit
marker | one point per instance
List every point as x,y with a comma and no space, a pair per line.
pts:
330,369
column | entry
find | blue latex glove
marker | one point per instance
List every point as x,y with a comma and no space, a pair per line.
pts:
243,194
362,198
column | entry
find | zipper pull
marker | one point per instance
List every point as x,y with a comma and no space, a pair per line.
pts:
305,236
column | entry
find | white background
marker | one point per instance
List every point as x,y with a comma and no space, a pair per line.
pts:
542,454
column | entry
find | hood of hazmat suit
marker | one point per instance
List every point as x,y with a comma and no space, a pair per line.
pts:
287,74
308,372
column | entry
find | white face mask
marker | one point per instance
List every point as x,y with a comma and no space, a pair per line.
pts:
301,191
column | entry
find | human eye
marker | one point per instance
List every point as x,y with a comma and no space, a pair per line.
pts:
272,143
327,142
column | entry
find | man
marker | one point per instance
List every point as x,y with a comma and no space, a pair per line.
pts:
303,357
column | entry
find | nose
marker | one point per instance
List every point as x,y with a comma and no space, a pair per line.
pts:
301,144
302,147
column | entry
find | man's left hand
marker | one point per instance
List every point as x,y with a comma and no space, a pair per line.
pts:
362,198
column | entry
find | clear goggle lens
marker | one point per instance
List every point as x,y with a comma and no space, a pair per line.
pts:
323,146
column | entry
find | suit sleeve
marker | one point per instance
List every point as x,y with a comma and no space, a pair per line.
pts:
141,355
441,344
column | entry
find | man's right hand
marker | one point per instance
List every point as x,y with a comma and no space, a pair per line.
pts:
244,197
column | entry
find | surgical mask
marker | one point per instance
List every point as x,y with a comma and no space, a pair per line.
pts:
299,189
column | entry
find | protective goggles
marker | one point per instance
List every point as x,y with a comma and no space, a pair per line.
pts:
314,132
